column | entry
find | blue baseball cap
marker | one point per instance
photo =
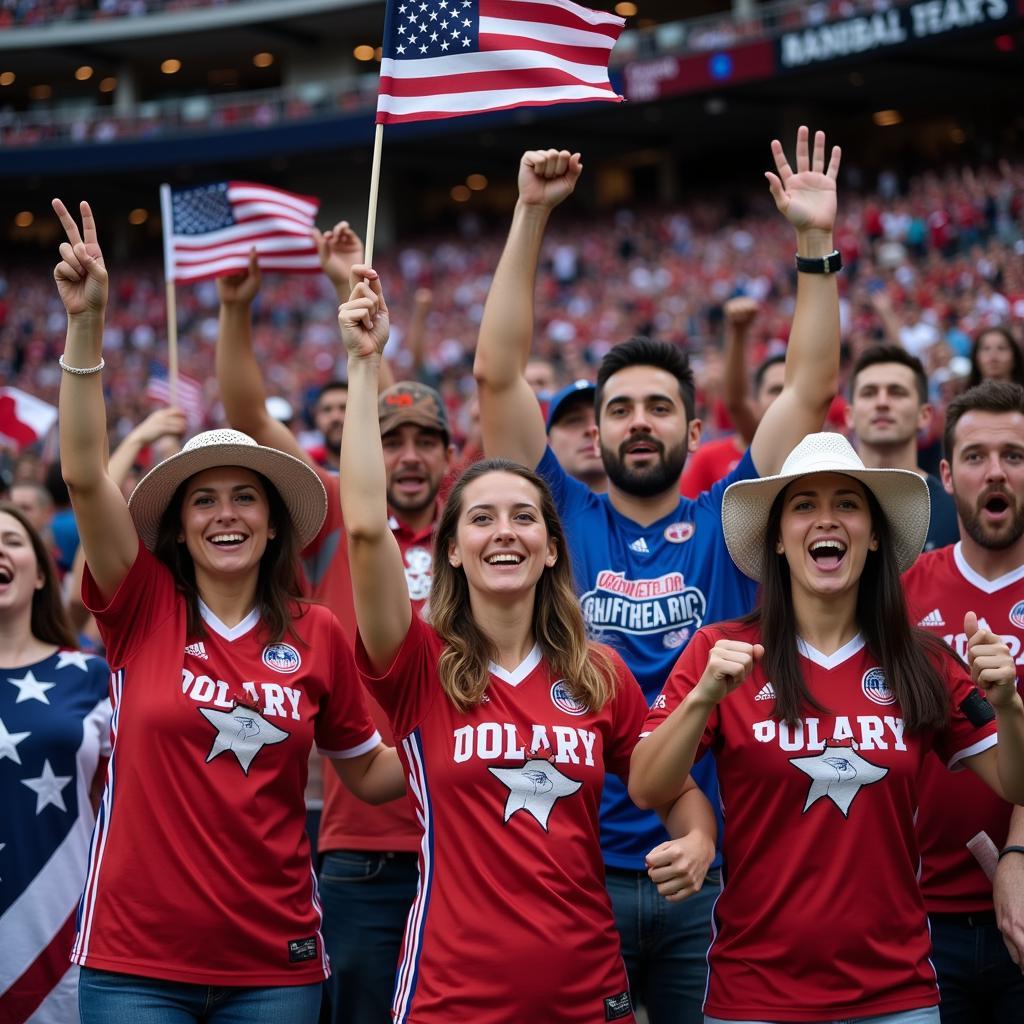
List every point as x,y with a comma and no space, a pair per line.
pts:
559,399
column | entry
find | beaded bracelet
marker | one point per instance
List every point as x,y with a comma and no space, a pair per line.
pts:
81,371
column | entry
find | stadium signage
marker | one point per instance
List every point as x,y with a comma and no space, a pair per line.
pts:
838,39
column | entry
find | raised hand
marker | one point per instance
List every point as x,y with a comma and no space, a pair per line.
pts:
340,249
730,662
677,867
548,176
166,422
241,287
806,198
740,311
363,319
992,667
81,275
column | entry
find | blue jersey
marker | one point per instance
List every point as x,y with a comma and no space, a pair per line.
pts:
645,591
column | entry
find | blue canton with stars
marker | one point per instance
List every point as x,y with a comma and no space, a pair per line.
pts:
196,211
44,711
415,29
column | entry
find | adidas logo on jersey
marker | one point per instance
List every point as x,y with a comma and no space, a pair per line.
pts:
197,651
640,546
767,692
932,619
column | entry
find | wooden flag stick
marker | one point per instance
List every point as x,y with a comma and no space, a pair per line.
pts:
167,227
371,216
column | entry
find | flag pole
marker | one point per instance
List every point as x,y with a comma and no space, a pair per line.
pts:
371,216
167,226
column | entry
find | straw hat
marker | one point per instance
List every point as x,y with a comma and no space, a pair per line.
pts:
300,488
903,496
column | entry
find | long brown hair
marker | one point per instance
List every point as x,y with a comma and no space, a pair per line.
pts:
278,591
49,622
909,656
586,668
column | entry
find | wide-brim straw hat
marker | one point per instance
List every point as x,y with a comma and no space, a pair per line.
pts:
903,496
300,488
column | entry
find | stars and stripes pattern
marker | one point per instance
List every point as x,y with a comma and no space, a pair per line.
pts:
190,393
54,730
447,58
212,229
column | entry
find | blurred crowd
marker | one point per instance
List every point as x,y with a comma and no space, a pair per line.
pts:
928,264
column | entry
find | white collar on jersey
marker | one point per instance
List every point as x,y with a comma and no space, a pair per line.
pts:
979,581
229,633
848,650
520,672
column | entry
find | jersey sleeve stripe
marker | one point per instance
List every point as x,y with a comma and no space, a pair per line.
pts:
955,762
408,969
363,748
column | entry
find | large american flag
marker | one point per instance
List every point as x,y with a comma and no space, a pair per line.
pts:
446,58
209,230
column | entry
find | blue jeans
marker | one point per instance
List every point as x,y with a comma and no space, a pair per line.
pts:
105,997
926,1015
664,945
978,981
366,898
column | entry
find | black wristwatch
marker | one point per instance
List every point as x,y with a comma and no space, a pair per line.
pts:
820,264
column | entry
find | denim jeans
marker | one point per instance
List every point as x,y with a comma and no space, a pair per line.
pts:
978,981
926,1015
366,898
105,997
664,945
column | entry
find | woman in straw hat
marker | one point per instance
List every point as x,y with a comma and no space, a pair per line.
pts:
819,708
508,720
200,901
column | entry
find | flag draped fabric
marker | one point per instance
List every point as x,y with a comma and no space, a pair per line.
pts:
446,58
213,227
190,393
24,419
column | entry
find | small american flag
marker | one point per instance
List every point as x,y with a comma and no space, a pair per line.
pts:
446,58
209,230
190,393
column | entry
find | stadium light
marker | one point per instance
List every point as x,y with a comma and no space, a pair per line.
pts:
477,182
460,194
24,219
171,66
7,78
138,216
263,59
886,118
108,84
625,9
363,52
84,73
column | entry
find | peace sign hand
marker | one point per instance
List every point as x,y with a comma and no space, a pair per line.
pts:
807,198
81,275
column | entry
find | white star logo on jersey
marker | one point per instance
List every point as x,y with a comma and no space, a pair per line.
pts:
77,658
47,788
837,773
242,731
534,787
29,688
9,743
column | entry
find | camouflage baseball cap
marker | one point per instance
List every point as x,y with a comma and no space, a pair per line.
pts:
408,401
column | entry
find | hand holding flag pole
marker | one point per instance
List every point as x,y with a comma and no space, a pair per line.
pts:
449,58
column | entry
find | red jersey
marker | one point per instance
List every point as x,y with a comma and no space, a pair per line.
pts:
200,868
941,587
708,464
346,822
511,919
820,916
